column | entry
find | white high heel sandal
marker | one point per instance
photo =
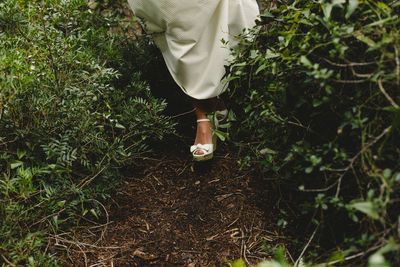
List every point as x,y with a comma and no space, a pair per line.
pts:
207,149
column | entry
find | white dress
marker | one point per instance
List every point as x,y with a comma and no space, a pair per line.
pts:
189,34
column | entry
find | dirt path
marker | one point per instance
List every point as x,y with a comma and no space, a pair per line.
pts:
171,212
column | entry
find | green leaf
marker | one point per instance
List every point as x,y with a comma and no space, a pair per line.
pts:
267,14
119,126
387,173
327,7
270,264
361,37
377,260
20,154
220,135
366,207
94,213
396,4
224,125
353,4
31,261
304,60
270,54
52,166
382,5
390,246
231,116
338,256
315,160
16,164
260,68
239,263
267,151
253,54
309,169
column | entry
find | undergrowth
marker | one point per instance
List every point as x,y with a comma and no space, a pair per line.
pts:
74,112
319,86
315,88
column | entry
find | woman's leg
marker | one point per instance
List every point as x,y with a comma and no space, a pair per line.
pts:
202,108
203,132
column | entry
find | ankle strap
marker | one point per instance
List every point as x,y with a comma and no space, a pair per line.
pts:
203,120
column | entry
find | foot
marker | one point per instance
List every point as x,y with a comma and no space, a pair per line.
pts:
203,135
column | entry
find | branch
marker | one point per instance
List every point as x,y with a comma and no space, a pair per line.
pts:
360,254
353,159
296,264
320,189
350,81
58,238
85,182
397,64
359,75
386,94
348,64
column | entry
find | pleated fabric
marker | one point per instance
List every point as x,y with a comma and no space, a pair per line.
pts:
189,34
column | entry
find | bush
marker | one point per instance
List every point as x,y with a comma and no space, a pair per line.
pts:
74,112
319,86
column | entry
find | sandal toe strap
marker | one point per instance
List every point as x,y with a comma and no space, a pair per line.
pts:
206,148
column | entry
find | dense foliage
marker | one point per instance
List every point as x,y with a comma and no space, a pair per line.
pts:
320,86
73,112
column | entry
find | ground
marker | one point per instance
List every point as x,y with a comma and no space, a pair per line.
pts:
172,212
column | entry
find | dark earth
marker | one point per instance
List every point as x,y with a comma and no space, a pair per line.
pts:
172,212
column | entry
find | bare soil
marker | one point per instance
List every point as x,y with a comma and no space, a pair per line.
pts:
172,212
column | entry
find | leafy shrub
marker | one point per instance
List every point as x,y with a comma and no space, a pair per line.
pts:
319,86
74,111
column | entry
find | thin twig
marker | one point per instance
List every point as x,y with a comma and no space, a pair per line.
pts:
296,264
244,248
397,65
348,64
107,218
7,261
102,262
353,159
101,225
320,189
80,243
355,255
386,94
359,75
290,255
350,81
91,179
347,258
84,254
47,217
182,114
